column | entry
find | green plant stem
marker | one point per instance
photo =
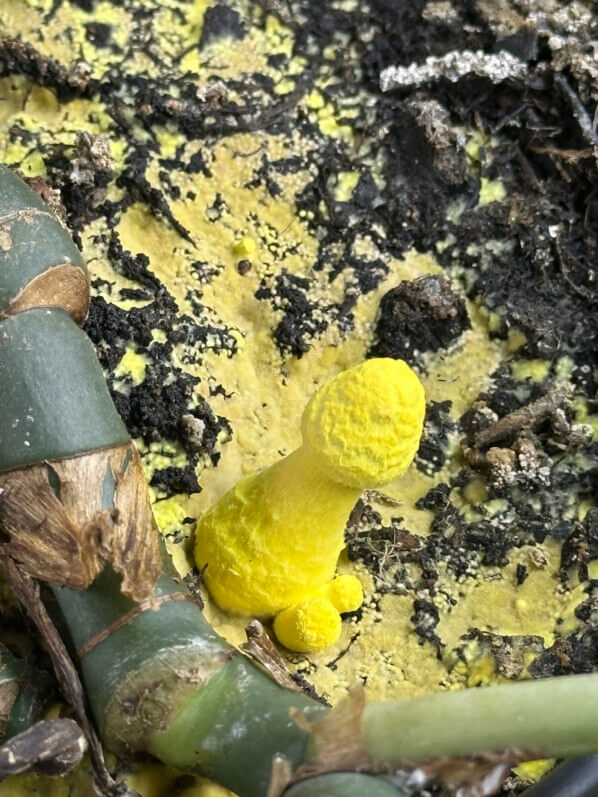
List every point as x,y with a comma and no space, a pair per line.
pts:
158,678
27,690
32,243
550,717
55,402
166,683
15,194
344,784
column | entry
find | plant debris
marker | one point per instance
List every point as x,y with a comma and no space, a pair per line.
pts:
453,66
28,594
66,497
260,648
49,747
470,776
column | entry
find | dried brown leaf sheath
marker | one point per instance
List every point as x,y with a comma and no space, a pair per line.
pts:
260,648
471,776
66,518
335,744
65,286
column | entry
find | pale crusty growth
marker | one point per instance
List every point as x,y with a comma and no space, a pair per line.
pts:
453,66
65,519
271,544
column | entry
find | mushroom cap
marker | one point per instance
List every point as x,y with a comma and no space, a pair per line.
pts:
364,425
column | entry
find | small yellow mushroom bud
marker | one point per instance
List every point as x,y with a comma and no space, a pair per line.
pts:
313,624
273,541
245,246
344,593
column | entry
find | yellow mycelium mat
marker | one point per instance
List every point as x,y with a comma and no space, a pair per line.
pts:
244,375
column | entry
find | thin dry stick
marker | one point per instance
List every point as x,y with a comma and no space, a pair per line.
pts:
27,591
523,418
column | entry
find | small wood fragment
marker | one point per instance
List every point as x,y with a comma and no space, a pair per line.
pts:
50,747
378,497
524,418
262,650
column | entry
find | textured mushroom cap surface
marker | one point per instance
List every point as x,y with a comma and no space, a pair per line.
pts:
364,425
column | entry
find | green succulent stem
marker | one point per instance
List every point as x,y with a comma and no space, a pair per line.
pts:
164,682
548,717
55,402
37,252
25,692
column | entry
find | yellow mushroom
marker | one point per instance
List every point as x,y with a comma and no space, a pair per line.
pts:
313,624
271,544
245,246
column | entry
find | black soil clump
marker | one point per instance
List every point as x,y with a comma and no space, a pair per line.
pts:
419,316
219,21
433,448
164,407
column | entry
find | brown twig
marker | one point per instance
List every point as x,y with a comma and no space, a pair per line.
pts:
578,289
578,109
27,591
524,418
568,155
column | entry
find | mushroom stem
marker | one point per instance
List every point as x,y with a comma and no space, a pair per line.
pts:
292,503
